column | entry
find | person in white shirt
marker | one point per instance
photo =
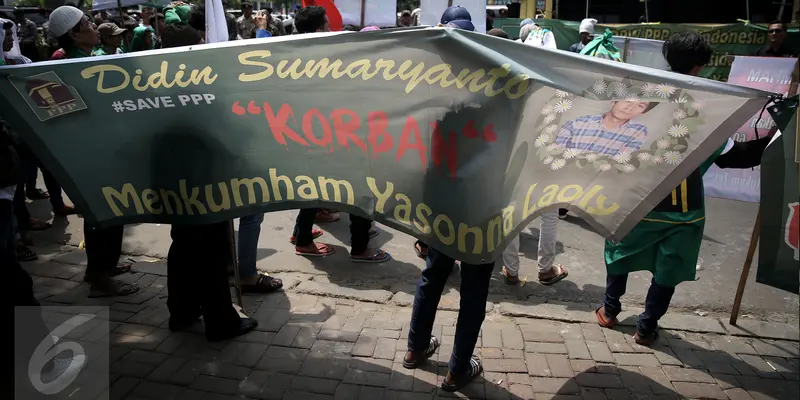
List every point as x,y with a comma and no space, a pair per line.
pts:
541,37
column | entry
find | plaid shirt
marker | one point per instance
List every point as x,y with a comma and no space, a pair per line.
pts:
587,133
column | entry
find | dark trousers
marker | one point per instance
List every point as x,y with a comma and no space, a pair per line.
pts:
197,274
103,249
359,230
474,291
29,328
655,305
30,167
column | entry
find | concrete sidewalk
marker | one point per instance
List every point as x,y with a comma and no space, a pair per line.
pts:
319,339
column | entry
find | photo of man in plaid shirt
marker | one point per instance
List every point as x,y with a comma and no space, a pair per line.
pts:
608,134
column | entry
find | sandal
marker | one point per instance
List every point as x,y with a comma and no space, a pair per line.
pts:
64,210
414,362
603,319
115,289
37,194
458,382
35,224
266,284
421,248
562,273
324,215
24,253
315,233
510,279
322,250
123,267
378,256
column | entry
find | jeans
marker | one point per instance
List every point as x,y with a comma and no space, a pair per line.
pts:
359,230
249,230
474,291
655,305
103,249
547,246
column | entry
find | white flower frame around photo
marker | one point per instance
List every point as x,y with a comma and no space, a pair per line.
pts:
668,148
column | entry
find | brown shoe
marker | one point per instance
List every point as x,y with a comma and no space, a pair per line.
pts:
510,279
645,339
603,319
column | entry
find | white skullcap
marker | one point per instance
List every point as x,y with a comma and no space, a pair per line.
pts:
587,26
63,19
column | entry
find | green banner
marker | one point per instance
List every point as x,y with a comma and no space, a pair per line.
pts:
727,40
778,260
457,138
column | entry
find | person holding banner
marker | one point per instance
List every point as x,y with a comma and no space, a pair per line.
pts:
77,36
667,241
464,366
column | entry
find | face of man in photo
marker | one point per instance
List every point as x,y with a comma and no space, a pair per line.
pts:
627,110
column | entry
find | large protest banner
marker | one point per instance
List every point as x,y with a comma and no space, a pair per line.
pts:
457,138
778,257
731,39
772,74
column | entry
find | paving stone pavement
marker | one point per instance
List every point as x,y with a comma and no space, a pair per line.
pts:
315,342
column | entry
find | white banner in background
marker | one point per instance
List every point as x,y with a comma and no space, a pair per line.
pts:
379,13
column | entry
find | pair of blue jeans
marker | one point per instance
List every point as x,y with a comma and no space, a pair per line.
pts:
249,231
474,291
655,305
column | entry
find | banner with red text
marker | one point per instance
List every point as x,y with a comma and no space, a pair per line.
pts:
457,138
771,74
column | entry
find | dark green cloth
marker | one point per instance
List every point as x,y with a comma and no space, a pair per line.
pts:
138,41
602,47
174,15
664,243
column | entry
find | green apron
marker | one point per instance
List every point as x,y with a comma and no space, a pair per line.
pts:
664,243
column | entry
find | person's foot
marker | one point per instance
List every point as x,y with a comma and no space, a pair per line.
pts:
238,328
24,253
107,287
645,339
414,358
603,319
183,321
326,216
314,250
64,210
261,284
315,233
452,382
121,268
421,248
37,194
508,277
35,224
371,256
556,273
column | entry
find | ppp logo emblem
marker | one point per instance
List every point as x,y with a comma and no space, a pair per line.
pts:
48,349
793,228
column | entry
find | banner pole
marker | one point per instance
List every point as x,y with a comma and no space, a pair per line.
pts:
748,261
237,282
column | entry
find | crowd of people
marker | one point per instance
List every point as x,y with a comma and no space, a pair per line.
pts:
666,242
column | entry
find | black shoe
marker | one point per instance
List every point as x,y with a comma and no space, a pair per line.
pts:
181,322
245,325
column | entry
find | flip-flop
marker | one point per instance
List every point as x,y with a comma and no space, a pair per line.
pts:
328,251
123,267
378,257
118,289
422,245
315,233
562,273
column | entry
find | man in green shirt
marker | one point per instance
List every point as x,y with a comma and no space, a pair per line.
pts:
110,39
77,37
